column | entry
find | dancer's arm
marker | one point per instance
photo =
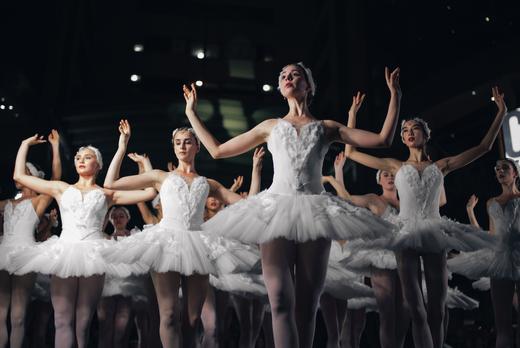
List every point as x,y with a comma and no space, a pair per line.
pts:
148,179
256,174
144,164
362,138
470,209
52,188
491,222
42,202
235,146
443,199
147,215
449,164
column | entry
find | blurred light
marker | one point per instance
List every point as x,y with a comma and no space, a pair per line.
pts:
10,107
492,98
268,59
2,106
18,195
487,19
267,88
448,7
16,115
452,31
3,99
473,93
138,48
200,54
199,83
135,78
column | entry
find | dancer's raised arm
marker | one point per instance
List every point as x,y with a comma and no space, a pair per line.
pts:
52,188
470,210
363,138
451,163
235,146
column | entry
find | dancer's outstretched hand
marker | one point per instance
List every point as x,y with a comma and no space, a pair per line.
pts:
237,183
498,98
357,101
190,95
472,202
258,157
54,138
339,161
35,139
137,158
392,80
124,133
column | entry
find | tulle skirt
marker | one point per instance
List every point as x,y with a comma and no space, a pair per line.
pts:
267,216
248,285
344,284
8,251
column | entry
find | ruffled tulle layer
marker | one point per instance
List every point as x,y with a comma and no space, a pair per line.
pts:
132,286
249,285
483,284
367,303
65,259
457,299
493,263
266,216
163,249
363,261
344,284
7,252
433,235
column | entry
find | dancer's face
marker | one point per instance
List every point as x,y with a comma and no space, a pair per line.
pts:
185,146
86,162
292,82
213,204
386,180
119,219
412,134
505,172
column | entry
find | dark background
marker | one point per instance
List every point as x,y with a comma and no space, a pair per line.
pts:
67,65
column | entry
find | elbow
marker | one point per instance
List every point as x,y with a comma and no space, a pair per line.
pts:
386,142
16,177
216,154
108,185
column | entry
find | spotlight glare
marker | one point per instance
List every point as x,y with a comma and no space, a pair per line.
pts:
473,93
199,83
2,106
135,77
10,107
492,98
267,88
487,19
138,48
200,54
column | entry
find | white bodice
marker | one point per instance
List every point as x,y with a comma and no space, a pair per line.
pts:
20,221
419,193
82,214
506,221
297,158
390,214
183,204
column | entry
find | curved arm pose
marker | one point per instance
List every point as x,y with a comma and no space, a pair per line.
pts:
175,249
501,262
427,234
21,216
73,259
294,243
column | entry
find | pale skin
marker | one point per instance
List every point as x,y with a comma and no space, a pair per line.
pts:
167,284
294,272
414,138
15,290
502,290
75,298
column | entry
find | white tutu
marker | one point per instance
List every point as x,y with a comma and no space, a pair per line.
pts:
343,284
267,216
368,303
363,261
492,263
132,286
457,299
231,256
249,285
483,284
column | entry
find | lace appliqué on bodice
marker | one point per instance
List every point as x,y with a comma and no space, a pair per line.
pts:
183,203
506,222
419,193
20,221
297,155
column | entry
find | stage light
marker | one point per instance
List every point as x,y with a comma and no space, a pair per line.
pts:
138,48
448,7
10,107
199,83
18,195
135,78
487,19
492,98
473,93
267,88
2,106
200,54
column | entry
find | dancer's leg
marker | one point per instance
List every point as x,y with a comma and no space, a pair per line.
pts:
167,291
20,297
5,300
436,277
89,294
257,318
63,295
105,317
312,259
123,313
330,317
278,258
409,271
194,289
209,320
402,312
384,285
